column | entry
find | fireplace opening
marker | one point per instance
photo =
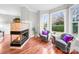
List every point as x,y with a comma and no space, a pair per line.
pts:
19,37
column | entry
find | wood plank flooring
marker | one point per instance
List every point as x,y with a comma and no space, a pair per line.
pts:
33,46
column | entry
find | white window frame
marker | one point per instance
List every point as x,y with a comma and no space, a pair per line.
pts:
55,13
70,12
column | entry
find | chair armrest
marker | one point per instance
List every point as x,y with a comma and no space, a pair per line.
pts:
61,41
69,43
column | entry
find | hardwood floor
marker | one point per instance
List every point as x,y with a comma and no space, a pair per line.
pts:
33,46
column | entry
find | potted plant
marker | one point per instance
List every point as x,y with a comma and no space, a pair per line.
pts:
34,32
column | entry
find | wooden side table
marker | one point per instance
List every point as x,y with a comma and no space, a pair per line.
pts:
52,38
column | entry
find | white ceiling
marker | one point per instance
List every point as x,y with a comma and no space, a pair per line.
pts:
37,7
32,7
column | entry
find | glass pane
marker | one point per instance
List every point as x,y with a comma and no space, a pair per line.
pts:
75,28
44,21
58,22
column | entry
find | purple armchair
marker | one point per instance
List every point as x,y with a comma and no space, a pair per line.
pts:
44,35
64,42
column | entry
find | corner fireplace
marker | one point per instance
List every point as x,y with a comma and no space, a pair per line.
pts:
19,33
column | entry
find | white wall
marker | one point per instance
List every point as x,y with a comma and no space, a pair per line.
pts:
33,21
24,14
30,18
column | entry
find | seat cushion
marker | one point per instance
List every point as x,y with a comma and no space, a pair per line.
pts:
61,41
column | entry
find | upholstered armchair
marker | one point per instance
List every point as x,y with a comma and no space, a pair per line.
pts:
44,35
64,42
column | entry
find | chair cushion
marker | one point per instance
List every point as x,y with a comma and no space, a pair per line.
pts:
62,36
67,38
45,32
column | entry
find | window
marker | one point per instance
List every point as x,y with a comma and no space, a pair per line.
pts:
58,22
75,28
75,19
44,21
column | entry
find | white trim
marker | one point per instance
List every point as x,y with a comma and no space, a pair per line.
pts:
70,19
66,20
